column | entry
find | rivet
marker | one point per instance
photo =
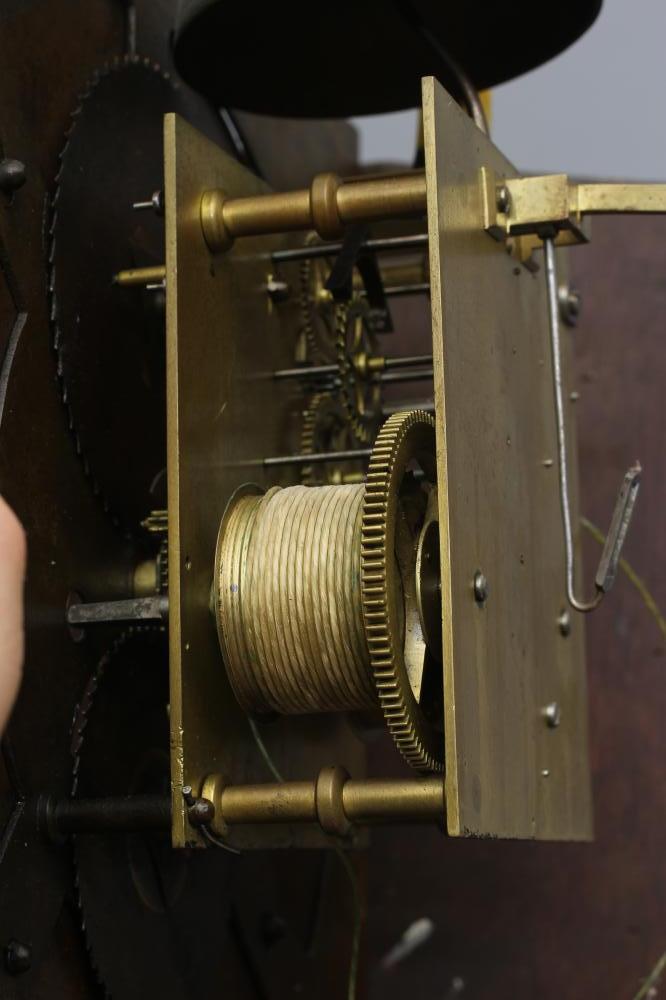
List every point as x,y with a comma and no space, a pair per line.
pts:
18,957
552,713
564,622
12,175
481,588
570,305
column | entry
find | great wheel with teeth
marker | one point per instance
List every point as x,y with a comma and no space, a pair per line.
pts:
180,923
400,590
154,919
109,340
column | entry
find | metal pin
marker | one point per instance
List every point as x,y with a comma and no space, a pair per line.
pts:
277,289
150,277
135,609
626,500
156,202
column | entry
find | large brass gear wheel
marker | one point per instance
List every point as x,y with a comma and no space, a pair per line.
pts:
406,438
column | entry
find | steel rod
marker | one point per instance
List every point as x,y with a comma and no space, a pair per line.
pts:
389,409
314,371
399,291
351,455
409,361
319,371
554,320
106,815
408,376
134,609
386,245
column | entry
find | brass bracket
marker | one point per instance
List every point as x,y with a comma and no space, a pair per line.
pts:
530,209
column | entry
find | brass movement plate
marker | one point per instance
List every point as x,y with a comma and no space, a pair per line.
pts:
225,414
507,773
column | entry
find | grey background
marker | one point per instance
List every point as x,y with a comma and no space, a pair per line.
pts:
596,110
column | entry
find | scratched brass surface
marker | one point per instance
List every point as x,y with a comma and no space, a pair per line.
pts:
499,513
225,414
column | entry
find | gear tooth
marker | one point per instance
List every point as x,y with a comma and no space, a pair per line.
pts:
402,714
81,721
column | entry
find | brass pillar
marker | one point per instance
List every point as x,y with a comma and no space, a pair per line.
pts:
333,800
327,207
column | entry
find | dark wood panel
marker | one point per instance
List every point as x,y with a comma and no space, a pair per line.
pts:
521,921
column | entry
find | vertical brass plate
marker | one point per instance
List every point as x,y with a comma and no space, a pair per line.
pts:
225,414
507,773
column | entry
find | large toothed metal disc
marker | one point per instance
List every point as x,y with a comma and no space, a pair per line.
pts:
154,918
354,58
199,923
110,340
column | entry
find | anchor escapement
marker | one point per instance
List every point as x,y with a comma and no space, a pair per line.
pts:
327,598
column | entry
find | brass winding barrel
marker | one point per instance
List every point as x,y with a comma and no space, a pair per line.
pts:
288,601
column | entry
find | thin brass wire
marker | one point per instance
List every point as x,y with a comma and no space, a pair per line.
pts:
288,604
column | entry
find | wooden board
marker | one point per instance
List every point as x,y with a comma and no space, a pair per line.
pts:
507,773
